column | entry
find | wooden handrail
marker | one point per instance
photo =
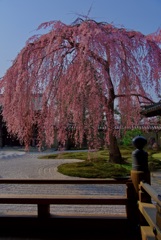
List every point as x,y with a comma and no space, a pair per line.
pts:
150,211
63,181
62,199
44,201
154,195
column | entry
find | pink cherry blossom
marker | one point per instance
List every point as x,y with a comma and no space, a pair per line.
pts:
74,75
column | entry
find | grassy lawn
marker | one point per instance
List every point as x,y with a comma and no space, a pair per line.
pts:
96,164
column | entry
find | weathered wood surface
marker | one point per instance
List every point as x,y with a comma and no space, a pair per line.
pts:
62,199
147,233
151,192
149,212
64,181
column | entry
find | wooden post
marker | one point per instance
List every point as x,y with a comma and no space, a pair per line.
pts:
137,177
131,207
144,196
43,210
158,213
140,170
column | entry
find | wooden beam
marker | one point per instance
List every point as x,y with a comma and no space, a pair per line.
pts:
62,199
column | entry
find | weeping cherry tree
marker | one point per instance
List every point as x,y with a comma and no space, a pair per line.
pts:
68,81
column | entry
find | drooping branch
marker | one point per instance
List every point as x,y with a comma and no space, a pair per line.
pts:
78,71
135,95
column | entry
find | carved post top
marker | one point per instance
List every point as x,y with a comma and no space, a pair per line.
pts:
139,142
139,156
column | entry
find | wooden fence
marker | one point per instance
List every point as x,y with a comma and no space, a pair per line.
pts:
92,223
149,205
142,203
43,202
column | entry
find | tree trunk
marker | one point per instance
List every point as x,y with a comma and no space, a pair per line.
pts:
114,151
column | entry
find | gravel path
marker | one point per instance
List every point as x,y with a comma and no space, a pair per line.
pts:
27,165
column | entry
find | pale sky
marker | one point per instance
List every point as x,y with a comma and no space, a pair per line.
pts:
20,18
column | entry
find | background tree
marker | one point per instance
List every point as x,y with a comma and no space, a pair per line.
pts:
75,74
129,135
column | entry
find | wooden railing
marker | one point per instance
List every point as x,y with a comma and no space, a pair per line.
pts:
149,205
142,203
43,202
141,208
112,226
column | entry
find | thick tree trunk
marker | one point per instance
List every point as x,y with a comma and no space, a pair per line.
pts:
114,151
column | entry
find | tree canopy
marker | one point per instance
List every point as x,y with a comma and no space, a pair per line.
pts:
74,75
